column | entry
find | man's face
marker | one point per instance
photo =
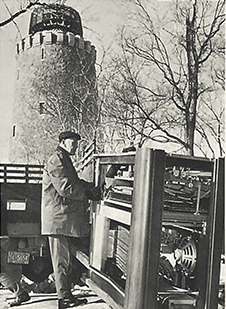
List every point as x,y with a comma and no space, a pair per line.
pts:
70,145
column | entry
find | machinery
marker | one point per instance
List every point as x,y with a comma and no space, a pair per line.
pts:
157,234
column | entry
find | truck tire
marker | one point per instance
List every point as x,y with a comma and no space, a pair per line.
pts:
38,269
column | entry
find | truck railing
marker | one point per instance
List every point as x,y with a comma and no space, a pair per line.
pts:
21,173
87,157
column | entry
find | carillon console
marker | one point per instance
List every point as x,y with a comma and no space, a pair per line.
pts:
157,233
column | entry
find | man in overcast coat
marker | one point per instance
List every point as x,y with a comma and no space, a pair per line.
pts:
63,212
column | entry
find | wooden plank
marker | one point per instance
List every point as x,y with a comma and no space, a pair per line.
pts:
176,216
21,165
143,258
123,159
199,163
123,182
117,204
215,231
23,177
130,179
100,239
123,216
16,171
201,270
108,290
103,295
211,243
83,258
117,215
119,196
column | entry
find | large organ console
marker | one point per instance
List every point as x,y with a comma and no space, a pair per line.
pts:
158,232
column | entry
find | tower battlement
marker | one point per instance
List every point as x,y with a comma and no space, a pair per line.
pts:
43,38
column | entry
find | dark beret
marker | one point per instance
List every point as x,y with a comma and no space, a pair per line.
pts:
69,134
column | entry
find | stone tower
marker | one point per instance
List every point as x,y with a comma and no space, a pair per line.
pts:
55,86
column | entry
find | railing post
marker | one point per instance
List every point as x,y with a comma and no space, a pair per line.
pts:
5,173
26,174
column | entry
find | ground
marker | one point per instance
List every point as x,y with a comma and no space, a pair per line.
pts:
49,301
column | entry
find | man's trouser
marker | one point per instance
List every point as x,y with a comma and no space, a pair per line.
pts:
62,264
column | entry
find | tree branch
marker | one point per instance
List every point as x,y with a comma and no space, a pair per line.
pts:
17,14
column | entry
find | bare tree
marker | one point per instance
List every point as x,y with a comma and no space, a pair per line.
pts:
162,81
166,81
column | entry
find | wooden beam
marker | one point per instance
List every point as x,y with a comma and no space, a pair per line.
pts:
110,159
215,236
99,250
146,223
117,215
210,245
106,288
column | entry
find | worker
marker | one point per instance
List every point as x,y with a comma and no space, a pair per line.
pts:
64,197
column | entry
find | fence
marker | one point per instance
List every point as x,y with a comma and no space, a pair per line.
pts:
20,173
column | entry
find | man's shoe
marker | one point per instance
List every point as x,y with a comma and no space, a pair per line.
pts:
20,299
74,299
71,302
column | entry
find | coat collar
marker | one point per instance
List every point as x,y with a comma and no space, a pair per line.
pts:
64,151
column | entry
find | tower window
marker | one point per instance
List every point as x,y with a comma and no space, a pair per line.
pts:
14,130
18,73
43,53
41,108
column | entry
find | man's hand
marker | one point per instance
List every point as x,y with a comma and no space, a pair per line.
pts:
94,194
